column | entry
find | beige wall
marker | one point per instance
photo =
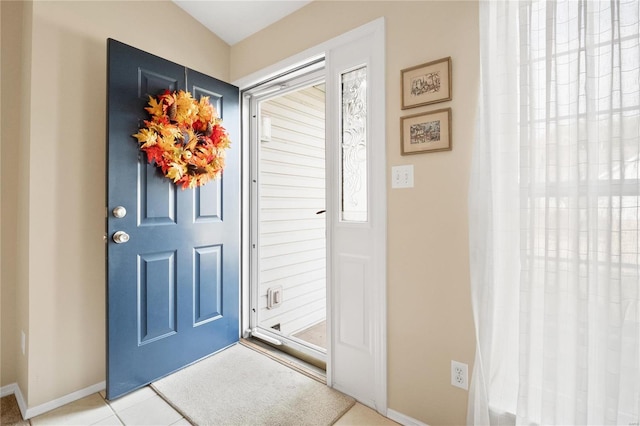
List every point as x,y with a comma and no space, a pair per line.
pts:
8,196
16,48
7,310
64,276
58,281
429,309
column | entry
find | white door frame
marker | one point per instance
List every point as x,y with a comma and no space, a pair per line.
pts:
374,31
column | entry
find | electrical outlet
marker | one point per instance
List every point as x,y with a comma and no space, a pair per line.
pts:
459,375
274,297
23,342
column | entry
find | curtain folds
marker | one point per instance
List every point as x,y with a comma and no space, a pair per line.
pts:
554,214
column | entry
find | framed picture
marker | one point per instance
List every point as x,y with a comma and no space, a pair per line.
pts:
426,132
426,84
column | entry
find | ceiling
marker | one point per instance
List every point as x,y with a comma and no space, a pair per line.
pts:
234,21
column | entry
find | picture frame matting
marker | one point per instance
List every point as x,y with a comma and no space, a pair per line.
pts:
426,84
426,132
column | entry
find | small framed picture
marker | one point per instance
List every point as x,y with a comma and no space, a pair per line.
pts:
426,132
426,84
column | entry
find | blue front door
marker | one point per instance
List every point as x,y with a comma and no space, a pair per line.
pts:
173,287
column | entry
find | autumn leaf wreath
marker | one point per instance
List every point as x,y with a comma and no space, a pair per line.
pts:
184,137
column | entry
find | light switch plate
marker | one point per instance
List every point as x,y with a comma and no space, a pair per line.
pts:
402,176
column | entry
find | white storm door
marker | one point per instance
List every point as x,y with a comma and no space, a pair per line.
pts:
356,203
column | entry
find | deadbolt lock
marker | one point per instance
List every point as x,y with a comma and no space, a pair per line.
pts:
119,212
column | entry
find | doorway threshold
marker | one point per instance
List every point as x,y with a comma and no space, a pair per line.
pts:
300,365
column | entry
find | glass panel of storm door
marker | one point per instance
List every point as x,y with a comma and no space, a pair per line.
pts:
291,218
353,146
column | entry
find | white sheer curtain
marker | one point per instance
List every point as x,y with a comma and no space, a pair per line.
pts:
554,214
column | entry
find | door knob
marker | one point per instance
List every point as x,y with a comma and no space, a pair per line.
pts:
120,237
119,212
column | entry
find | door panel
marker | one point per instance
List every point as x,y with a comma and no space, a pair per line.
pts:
156,296
352,309
156,203
208,206
173,287
207,284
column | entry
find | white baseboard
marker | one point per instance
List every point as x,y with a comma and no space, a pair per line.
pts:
14,389
28,413
7,390
64,400
22,404
403,419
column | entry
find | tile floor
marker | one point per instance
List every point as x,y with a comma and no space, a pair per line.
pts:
145,407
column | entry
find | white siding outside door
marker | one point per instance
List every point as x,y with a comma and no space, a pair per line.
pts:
291,188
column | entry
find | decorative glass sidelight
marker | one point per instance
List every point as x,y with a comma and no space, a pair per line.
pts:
353,146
